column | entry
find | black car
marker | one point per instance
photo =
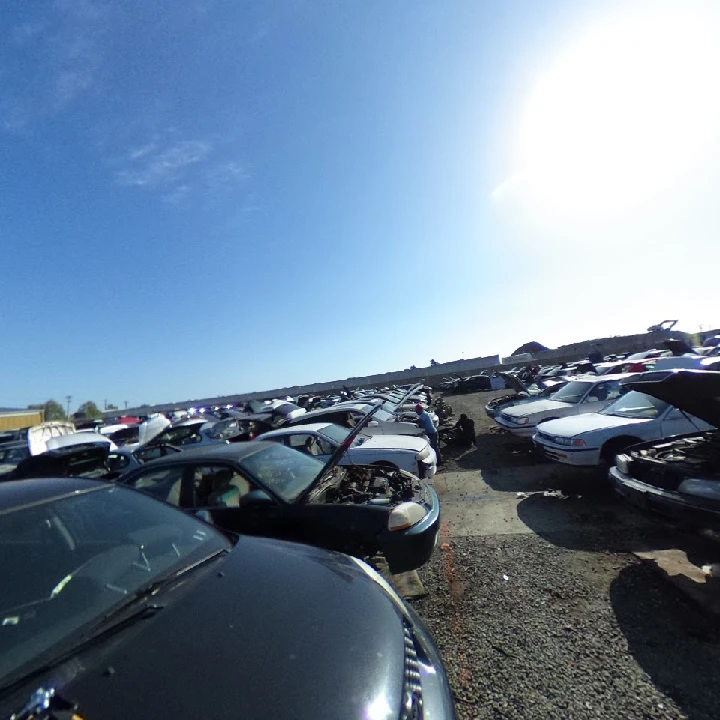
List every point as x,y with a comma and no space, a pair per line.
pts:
117,606
269,489
678,477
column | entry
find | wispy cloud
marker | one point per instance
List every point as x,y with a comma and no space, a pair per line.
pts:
162,167
52,61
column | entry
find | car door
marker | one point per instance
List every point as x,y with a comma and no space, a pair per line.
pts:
599,396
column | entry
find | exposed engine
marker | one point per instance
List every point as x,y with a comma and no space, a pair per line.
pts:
699,454
361,484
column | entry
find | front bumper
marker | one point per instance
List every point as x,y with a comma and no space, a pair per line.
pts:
671,505
410,549
519,430
579,457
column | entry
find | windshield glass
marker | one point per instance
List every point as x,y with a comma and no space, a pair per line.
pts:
336,433
383,415
282,470
636,405
69,561
572,392
182,435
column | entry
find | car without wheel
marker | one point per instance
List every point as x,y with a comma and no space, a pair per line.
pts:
677,477
109,594
347,415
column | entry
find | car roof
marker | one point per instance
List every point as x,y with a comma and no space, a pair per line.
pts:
19,493
309,427
231,451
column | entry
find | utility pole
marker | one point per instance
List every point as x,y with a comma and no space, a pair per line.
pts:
68,398
126,404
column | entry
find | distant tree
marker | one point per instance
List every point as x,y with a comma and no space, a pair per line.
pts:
89,410
110,406
53,410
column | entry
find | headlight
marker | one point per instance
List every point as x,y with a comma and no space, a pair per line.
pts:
521,420
708,489
423,454
405,515
623,463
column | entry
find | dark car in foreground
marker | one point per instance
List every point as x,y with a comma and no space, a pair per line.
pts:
117,606
269,489
677,477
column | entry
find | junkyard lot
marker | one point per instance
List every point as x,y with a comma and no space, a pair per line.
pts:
538,604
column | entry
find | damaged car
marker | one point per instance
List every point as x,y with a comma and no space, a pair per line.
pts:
267,488
115,605
679,477
523,393
583,394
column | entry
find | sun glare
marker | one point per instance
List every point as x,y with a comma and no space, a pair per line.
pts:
626,111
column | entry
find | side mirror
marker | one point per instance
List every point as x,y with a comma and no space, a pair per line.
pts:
256,498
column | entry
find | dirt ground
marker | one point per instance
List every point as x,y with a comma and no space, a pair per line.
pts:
538,604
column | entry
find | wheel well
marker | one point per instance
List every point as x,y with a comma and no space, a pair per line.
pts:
613,446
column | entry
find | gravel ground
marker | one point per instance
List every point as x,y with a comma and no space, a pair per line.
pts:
552,616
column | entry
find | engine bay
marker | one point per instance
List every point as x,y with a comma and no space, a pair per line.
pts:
696,454
367,484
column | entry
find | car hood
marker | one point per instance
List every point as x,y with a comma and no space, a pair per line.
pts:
535,406
232,643
696,392
395,442
585,422
513,383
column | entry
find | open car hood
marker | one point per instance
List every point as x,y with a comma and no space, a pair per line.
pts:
513,383
696,392
678,347
335,458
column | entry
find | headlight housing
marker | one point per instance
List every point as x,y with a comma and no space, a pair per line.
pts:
578,442
708,489
520,420
405,515
622,462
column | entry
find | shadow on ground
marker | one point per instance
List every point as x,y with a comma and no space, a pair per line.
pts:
674,642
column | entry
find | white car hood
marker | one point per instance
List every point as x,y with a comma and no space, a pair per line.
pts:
536,406
395,442
587,422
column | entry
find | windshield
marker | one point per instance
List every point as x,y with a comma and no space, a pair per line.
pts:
383,415
573,392
182,435
67,562
284,471
335,433
636,405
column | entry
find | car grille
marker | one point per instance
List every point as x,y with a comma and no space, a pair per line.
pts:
412,708
547,438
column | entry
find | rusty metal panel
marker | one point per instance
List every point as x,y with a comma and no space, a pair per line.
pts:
21,419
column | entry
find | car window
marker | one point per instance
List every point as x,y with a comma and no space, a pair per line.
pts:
310,444
116,462
219,486
162,483
604,391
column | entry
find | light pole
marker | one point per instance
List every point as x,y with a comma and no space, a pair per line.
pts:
68,398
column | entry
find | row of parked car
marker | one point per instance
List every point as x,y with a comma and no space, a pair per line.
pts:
655,432
145,562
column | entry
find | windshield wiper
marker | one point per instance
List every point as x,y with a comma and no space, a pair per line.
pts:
119,618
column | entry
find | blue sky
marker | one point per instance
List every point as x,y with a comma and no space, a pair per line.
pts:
210,197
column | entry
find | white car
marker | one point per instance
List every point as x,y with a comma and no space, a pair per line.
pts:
347,415
592,438
584,394
320,440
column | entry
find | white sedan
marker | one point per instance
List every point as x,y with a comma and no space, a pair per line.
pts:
584,394
592,438
320,440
